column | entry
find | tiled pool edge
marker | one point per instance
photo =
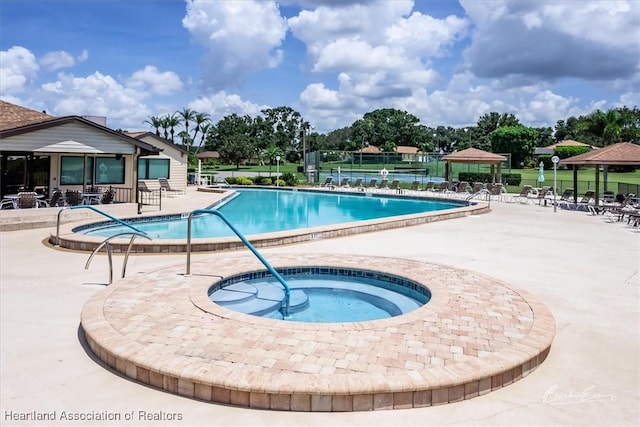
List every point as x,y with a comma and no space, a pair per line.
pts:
190,377
74,241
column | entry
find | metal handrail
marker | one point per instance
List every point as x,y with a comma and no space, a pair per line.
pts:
478,193
287,291
112,218
106,244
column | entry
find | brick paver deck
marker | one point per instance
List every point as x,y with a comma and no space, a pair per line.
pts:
476,335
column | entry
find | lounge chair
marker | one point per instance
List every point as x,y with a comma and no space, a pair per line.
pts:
328,182
415,186
618,210
372,184
166,188
358,184
344,183
442,187
498,191
429,186
477,187
463,188
395,186
384,184
584,204
523,197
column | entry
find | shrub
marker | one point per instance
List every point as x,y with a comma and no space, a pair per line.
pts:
232,180
243,180
281,183
265,180
290,179
570,151
512,178
474,177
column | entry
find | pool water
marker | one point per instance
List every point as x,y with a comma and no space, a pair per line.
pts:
257,211
321,298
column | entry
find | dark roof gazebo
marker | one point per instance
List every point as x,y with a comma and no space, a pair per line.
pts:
623,153
475,156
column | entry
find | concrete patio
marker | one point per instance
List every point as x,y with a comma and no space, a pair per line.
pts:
584,268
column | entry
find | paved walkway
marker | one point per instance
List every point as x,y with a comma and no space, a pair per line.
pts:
583,268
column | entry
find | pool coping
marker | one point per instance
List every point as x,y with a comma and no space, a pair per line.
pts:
476,335
80,242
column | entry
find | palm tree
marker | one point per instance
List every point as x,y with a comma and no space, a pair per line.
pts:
201,120
164,124
155,122
204,130
173,121
185,116
270,153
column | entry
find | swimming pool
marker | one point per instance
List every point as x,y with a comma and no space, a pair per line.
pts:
258,211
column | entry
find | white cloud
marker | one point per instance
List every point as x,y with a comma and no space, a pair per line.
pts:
55,60
240,37
18,67
222,104
96,95
160,83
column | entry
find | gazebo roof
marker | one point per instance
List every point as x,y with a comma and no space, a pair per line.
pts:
474,155
623,153
208,155
568,143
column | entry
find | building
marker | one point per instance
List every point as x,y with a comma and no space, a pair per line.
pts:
40,152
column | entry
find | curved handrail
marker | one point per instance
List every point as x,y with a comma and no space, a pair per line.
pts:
478,193
287,291
126,257
112,218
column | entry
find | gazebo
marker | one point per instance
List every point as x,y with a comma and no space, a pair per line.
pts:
205,155
623,153
475,156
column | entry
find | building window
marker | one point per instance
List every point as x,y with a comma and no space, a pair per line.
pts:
98,170
153,168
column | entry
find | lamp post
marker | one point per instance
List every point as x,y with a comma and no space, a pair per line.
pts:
555,160
277,171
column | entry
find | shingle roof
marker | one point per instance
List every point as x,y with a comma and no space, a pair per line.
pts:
13,116
623,153
474,155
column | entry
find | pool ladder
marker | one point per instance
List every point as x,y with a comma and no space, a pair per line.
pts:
105,244
287,290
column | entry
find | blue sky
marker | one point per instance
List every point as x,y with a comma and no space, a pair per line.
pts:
447,62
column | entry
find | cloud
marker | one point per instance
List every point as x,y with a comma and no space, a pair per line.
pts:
18,67
548,39
241,37
164,83
222,104
96,95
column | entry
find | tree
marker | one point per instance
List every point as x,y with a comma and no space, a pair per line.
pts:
269,154
520,141
155,122
489,122
287,125
172,122
231,137
202,122
186,116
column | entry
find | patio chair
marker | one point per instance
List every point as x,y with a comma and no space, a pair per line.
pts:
107,197
166,187
27,200
498,191
384,184
57,199
72,197
344,183
429,186
415,186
